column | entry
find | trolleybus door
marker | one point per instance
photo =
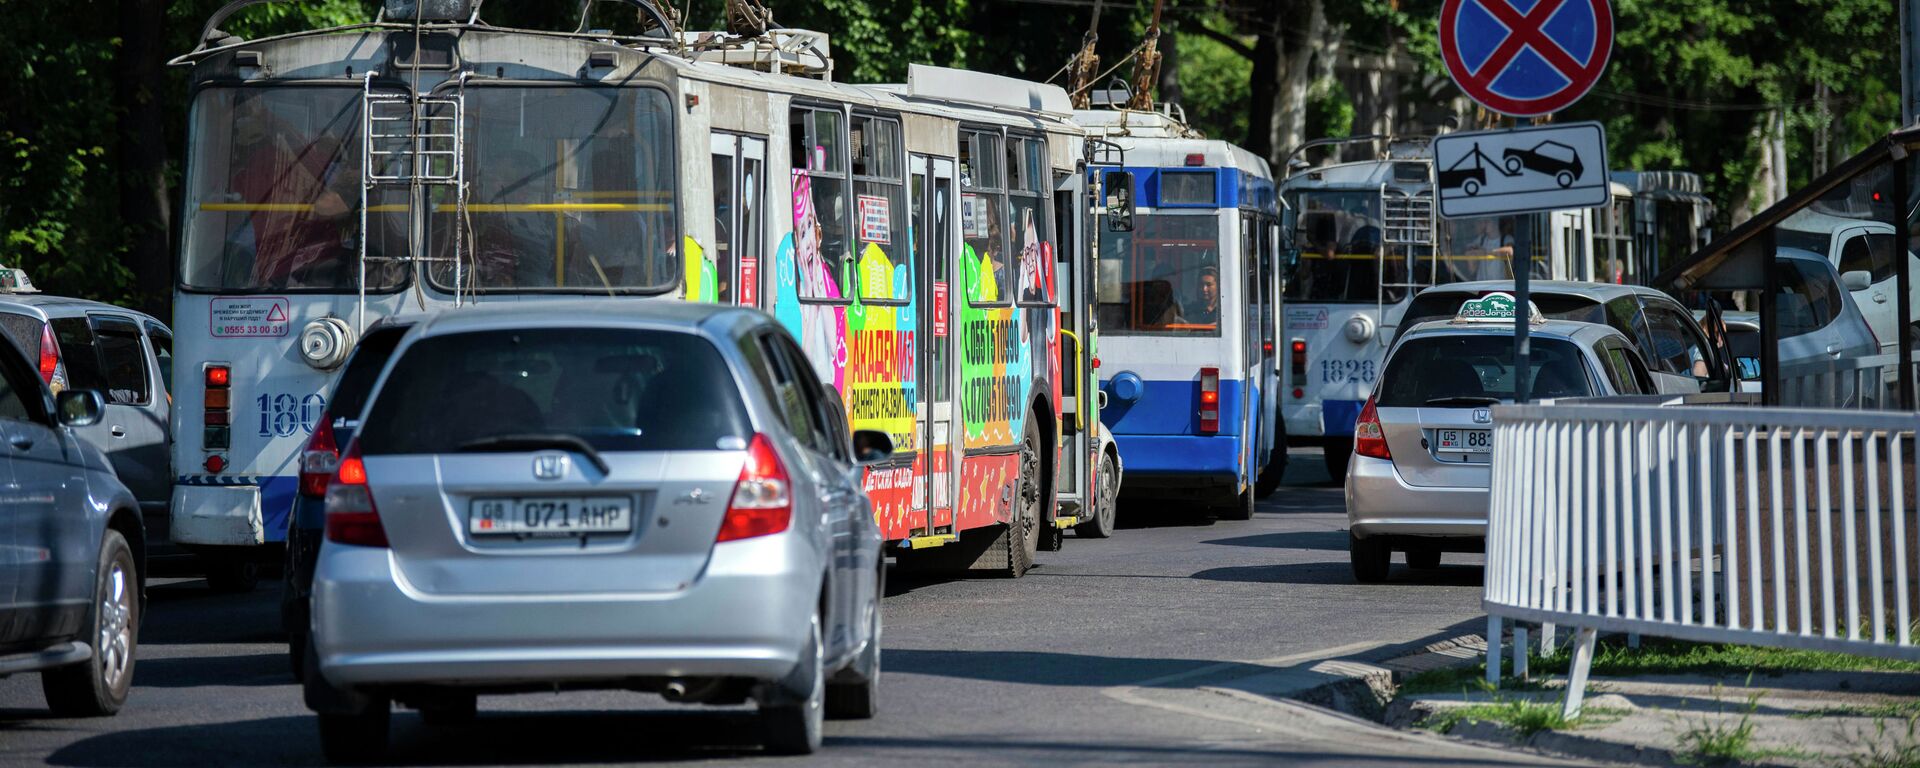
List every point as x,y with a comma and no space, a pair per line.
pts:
934,211
739,219
1077,408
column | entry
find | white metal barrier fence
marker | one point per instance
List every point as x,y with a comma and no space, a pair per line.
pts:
1864,383
1774,527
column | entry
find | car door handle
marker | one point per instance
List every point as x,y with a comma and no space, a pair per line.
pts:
20,441
1833,349
1879,298
118,431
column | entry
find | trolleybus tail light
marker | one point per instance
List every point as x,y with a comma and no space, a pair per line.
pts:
52,370
1196,158
1368,438
1209,400
216,419
319,461
1299,359
351,516
762,501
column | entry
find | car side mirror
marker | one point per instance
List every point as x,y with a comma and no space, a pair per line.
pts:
80,407
1856,280
871,446
1120,201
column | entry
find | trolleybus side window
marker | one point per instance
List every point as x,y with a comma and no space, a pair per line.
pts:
983,201
1033,228
821,209
273,194
571,189
1156,279
1339,236
882,261
738,195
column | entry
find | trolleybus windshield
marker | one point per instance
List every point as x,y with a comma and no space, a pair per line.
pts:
570,189
1480,248
1163,278
273,194
1340,238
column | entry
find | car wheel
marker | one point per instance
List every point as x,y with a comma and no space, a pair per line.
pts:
1371,558
1513,165
1564,179
231,572
360,737
1470,187
1106,509
1423,558
98,686
859,697
1339,451
455,709
793,726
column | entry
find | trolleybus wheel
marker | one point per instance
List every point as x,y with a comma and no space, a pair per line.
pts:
1239,506
1106,504
231,571
1271,475
1339,449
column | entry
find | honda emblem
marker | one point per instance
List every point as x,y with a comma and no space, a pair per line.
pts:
549,466
1482,416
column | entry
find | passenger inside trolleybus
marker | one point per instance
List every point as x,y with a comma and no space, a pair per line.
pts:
294,188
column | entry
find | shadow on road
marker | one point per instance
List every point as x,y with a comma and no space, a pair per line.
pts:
194,671
1332,541
1334,572
1044,667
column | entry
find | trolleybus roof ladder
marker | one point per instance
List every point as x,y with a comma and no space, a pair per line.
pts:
1408,226
411,141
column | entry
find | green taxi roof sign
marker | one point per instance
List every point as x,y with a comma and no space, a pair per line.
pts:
1495,308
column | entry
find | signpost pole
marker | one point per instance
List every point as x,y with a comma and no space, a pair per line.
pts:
1522,295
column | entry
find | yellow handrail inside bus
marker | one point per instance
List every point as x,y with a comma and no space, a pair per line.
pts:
439,208
1079,381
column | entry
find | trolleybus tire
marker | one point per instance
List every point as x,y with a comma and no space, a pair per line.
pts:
1371,558
1106,501
1339,449
1239,506
231,569
1271,475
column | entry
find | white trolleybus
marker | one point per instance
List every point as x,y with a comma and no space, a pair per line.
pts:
914,237
1186,288
1366,239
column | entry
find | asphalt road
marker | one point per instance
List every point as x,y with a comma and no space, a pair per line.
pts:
1109,651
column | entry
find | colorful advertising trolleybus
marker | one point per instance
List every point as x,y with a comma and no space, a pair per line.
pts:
1186,291
911,239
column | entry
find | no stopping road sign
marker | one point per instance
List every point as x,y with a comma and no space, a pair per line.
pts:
1526,57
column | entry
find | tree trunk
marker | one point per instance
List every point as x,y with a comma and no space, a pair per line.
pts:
1265,89
1169,65
139,83
1290,107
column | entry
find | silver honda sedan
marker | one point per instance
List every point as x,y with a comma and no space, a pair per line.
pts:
648,496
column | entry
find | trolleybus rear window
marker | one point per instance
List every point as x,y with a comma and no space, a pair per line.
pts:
273,194
1163,278
1340,237
1480,248
571,190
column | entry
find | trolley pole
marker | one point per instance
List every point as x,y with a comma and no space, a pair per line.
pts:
1522,293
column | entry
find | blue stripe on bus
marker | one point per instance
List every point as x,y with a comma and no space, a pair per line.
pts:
1337,416
1179,455
1170,408
276,505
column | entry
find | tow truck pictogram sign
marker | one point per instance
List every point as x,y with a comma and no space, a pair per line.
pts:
1542,168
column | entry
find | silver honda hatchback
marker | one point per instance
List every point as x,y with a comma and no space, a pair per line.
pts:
647,496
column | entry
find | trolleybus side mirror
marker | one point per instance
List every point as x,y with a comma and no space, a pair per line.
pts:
1120,201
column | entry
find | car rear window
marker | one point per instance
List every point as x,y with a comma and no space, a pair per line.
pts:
1443,305
356,380
617,389
1457,370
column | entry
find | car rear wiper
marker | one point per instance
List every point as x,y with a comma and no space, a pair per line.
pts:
535,442
1464,400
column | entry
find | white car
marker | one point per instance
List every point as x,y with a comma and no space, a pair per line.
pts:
1862,252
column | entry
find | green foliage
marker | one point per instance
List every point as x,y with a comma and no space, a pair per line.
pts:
1523,716
1213,81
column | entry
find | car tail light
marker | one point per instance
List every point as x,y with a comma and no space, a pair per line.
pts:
1209,400
216,419
1369,439
1299,354
762,499
351,516
319,461
52,370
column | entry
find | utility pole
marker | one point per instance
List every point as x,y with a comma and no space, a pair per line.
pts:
1909,60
